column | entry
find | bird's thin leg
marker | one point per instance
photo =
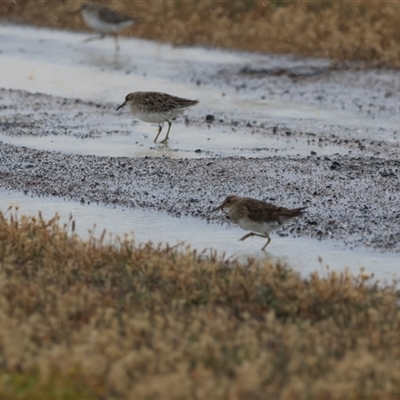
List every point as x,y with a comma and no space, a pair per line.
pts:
250,235
90,39
246,236
266,244
169,127
159,131
116,43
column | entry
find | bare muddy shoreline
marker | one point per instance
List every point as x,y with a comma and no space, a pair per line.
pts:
285,129
352,199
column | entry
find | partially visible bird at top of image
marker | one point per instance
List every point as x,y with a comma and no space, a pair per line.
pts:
105,21
258,216
156,107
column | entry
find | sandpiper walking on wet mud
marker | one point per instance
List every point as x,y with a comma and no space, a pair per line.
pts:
157,108
105,21
259,216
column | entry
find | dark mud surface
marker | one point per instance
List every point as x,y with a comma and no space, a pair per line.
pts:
354,200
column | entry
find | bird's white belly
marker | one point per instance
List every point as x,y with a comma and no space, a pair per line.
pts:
104,27
154,117
258,227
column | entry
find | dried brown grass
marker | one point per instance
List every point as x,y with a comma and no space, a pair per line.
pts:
91,319
340,30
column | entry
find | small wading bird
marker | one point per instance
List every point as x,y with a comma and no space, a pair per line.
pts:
105,21
258,216
157,108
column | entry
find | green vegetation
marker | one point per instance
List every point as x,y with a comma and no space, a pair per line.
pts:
28,386
90,319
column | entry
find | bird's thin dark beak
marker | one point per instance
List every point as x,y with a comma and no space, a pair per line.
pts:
120,106
217,208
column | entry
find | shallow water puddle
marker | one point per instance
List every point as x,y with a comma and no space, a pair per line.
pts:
185,142
144,226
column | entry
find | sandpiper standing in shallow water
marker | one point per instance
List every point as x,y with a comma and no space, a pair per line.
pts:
259,216
157,108
105,21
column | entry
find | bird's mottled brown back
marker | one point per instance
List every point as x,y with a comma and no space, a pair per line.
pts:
257,210
112,16
161,102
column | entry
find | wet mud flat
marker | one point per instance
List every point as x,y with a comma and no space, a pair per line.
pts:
351,197
28,116
291,130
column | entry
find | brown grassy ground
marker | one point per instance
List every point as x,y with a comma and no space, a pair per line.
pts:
366,31
95,320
